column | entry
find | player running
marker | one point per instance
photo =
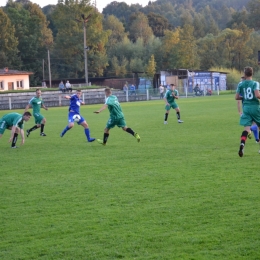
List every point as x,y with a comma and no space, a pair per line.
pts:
116,117
248,91
36,103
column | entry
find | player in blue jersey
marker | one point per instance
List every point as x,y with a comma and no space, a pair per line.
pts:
74,108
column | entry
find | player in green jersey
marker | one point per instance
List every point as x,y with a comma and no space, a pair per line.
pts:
14,122
169,98
36,103
116,117
248,91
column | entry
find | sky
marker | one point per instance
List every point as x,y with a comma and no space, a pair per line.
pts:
100,3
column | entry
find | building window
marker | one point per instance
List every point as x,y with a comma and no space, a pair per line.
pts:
19,84
1,85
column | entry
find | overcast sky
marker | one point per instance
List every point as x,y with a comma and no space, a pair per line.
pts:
100,3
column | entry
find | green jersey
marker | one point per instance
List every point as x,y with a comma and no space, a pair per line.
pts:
169,95
246,89
36,104
114,107
13,119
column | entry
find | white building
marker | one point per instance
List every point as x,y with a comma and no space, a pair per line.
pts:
14,79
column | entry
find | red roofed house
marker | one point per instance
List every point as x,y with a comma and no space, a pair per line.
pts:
14,79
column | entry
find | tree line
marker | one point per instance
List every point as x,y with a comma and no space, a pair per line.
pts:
124,39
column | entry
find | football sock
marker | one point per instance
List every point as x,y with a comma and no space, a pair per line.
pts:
14,139
65,130
243,138
130,131
106,135
87,133
166,117
254,129
33,128
178,115
42,127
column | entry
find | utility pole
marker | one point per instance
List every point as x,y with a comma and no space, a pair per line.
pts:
84,21
49,66
43,78
85,53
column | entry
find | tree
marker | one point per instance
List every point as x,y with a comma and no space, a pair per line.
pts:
8,43
33,34
184,54
151,68
119,68
158,23
117,29
140,28
254,13
68,49
169,42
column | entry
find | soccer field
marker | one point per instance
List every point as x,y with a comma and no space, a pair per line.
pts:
181,193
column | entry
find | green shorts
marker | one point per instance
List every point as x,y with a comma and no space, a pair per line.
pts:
115,122
173,105
38,118
3,126
250,114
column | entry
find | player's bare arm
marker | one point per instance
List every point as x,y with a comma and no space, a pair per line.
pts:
238,97
26,108
46,108
166,102
101,109
22,135
257,93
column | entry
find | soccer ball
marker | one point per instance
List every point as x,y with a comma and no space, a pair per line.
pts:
76,118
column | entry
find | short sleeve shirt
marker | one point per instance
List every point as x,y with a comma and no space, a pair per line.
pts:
246,89
114,107
13,119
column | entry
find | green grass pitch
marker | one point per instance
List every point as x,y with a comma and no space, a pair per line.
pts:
181,193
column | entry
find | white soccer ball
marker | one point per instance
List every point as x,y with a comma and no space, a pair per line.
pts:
76,118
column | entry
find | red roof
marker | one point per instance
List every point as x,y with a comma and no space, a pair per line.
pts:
7,72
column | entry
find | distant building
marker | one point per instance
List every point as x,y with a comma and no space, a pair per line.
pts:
183,78
14,79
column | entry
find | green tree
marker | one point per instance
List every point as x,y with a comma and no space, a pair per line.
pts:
117,29
119,68
33,34
68,51
184,54
254,13
169,42
207,52
140,28
136,65
158,23
8,43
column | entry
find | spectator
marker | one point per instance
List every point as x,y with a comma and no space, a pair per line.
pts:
125,88
68,87
161,90
62,87
132,89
